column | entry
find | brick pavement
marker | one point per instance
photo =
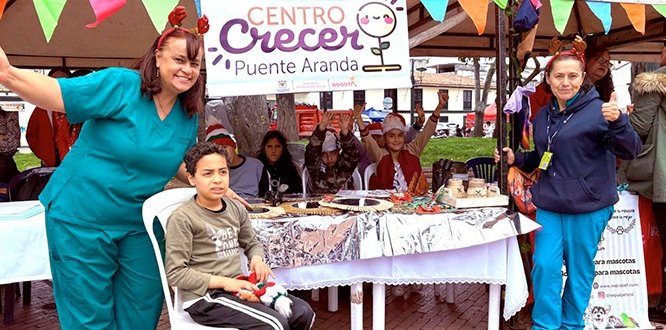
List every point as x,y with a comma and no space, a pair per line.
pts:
421,310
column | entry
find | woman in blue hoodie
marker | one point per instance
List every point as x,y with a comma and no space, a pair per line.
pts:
576,141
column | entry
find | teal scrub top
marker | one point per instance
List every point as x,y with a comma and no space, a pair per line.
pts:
124,153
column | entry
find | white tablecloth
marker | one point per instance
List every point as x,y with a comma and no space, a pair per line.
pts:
498,262
23,248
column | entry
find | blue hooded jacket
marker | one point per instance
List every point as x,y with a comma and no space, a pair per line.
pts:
581,174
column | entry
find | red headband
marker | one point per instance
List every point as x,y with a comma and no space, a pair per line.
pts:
176,18
577,51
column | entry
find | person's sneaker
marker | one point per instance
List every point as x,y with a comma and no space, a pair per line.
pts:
657,313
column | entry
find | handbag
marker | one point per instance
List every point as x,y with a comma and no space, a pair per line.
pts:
641,168
519,188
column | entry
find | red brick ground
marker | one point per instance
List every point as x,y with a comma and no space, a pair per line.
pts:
421,310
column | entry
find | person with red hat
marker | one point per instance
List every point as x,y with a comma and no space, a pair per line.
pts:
244,171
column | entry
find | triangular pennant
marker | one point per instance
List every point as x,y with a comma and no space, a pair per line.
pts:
636,14
104,9
660,9
537,4
561,10
477,11
602,10
2,7
501,3
48,12
159,10
436,8
197,4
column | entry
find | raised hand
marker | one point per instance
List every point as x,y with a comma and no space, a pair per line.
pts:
510,157
326,119
610,110
345,123
419,111
443,98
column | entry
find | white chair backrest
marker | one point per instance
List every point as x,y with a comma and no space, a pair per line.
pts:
305,177
356,177
161,205
369,171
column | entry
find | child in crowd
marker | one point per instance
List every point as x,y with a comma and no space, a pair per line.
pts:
375,130
331,170
245,172
278,164
203,238
397,163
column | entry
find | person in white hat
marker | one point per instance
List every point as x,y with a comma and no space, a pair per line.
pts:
330,160
397,163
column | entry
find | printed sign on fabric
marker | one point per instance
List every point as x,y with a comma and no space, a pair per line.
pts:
287,46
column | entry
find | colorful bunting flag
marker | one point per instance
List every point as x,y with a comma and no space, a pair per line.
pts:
159,10
197,3
603,12
436,8
477,11
104,9
561,10
48,12
660,9
2,7
636,14
501,3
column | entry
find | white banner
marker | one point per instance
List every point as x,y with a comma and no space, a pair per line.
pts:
290,46
619,291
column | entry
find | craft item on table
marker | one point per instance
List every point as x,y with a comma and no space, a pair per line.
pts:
418,186
447,196
456,188
308,208
275,191
477,188
270,294
265,212
422,205
357,204
400,197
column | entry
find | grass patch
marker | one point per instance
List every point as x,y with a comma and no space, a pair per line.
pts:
457,149
25,161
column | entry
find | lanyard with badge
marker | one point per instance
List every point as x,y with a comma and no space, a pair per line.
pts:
548,155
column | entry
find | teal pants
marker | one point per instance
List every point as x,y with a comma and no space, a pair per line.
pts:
572,238
103,279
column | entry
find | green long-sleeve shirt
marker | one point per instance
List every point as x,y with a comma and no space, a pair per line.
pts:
201,243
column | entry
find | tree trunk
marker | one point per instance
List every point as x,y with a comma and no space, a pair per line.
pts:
286,109
249,118
481,96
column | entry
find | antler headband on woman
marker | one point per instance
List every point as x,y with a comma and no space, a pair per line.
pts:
176,18
578,50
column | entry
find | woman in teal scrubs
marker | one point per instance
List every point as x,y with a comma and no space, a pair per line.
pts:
137,125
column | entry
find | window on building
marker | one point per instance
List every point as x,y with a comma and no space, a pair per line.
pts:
359,97
467,100
326,100
446,105
418,96
393,94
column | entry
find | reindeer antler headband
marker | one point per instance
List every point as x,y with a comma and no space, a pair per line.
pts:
176,18
578,50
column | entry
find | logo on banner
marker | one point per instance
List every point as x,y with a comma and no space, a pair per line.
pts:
283,86
377,20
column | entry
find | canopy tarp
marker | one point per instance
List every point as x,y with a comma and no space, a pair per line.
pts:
457,35
489,114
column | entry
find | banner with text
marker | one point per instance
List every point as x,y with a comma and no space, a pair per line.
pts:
619,291
292,46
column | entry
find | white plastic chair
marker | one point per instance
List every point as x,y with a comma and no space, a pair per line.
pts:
358,182
161,205
369,171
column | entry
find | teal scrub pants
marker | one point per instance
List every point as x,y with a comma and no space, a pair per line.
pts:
103,279
574,239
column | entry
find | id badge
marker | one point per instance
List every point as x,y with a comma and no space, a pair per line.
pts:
545,160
